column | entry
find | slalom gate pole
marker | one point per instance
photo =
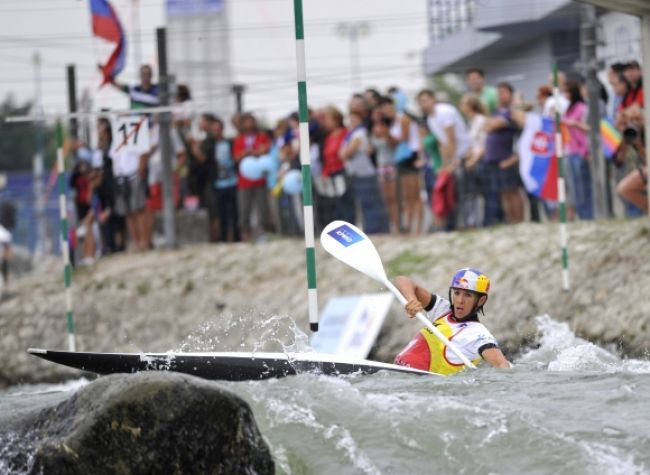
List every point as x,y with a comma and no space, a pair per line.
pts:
65,249
561,187
305,162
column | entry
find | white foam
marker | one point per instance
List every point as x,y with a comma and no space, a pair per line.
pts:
561,350
247,332
346,443
286,412
281,458
612,460
636,366
68,386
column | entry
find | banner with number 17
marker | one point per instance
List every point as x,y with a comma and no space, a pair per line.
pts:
131,133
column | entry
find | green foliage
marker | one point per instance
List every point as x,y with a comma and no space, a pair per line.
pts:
408,263
189,286
439,83
19,141
143,288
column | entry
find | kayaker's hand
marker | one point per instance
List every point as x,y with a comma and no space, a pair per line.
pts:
413,306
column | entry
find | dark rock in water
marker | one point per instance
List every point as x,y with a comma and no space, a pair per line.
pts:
146,423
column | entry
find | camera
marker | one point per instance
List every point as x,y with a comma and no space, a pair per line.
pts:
630,133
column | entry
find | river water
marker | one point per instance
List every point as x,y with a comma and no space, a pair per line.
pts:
567,407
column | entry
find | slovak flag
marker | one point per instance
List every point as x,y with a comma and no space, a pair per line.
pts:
106,25
537,161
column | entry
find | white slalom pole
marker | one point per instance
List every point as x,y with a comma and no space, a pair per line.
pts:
351,246
561,187
305,162
65,249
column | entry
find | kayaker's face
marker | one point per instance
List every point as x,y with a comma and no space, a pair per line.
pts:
463,301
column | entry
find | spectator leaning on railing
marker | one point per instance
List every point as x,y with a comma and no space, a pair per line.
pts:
501,183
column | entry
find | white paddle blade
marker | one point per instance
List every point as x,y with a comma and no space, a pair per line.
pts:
350,245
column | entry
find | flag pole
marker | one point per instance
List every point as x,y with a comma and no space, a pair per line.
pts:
561,187
305,161
65,248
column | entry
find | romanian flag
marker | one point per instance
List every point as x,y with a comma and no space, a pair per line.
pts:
610,137
107,26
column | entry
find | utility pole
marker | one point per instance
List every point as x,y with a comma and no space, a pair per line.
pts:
39,195
589,62
238,90
169,224
353,31
72,100
86,105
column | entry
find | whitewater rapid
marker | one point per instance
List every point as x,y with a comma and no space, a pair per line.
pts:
567,406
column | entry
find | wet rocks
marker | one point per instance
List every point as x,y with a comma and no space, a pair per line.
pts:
145,423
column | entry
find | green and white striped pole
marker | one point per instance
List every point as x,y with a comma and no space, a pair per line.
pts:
305,161
561,187
65,249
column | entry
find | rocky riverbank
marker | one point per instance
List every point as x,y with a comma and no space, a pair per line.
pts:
252,297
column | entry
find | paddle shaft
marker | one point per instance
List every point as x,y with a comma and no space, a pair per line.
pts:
425,321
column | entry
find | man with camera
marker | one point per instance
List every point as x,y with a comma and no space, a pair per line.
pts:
633,188
631,155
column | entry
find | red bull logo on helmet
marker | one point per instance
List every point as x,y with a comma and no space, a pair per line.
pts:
471,279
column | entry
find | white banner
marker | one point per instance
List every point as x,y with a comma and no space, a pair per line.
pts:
350,325
131,133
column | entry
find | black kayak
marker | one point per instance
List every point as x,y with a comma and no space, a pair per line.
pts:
228,366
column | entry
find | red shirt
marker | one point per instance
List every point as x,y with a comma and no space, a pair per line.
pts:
634,96
331,161
244,143
81,184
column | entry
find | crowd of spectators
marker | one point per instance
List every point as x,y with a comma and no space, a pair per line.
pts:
383,164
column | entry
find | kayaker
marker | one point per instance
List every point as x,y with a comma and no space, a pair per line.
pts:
456,318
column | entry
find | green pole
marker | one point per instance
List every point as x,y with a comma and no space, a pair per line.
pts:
561,187
305,161
65,249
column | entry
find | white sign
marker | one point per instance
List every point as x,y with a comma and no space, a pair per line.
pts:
131,133
350,325
5,235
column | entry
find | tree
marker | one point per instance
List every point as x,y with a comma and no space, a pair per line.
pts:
18,141
444,83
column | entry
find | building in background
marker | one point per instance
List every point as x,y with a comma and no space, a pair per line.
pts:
519,41
199,52
619,37
510,40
